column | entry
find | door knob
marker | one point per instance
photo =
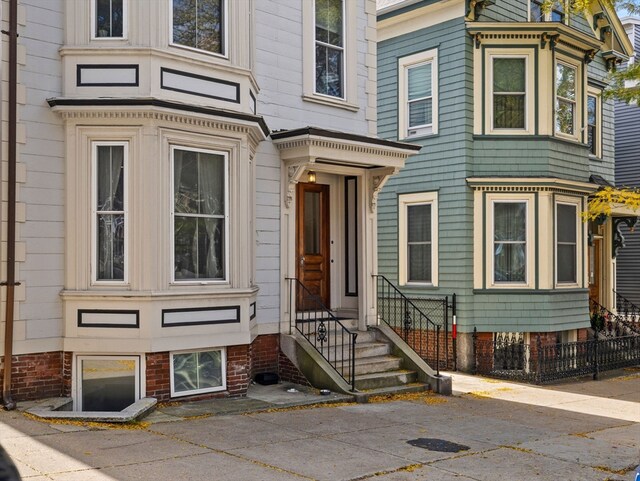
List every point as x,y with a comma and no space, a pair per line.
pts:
301,261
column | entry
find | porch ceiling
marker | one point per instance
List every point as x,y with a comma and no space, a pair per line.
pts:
310,145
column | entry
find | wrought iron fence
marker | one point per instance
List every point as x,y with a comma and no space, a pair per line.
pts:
411,318
610,324
323,330
627,309
509,357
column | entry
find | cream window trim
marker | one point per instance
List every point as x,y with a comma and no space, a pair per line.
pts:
77,369
529,115
529,200
223,369
597,93
225,31
404,64
404,201
94,212
227,224
578,118
125,23
579,226
350,88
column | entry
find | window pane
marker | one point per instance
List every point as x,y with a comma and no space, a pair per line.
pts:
509,262
329,21
566,223
197,370
419,79
592,107
198,183
109,18
198,24
510,221
110,247
108,385
536,12
564,116
591,110
110,177
509,75
508,111
420,112
419,268
566,263
312,222
419,223
565,82
198,248
328,71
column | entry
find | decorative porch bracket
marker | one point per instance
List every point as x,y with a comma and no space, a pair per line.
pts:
379,178
618,239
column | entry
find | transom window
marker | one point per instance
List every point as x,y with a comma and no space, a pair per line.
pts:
418,232
566,243
197,372
329,47
199,214
509,92
109,18
565,99
510,242
199,24
109,212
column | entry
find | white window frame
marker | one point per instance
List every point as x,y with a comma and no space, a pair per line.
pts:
597,94
223,364
404,64
529,103
577,203
548,15
227,226
94,211
576,102
404,201
114,357
125,22
225,33
343,80
529,200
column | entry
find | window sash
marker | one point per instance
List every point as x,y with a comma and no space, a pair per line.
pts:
566,95
510,245
109,18
592,124
419,260
193,29
189,372
329,55
557,13
509,106
566,243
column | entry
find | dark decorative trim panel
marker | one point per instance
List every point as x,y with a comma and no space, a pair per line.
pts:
197,316
252,311
91,318
109,83
199,85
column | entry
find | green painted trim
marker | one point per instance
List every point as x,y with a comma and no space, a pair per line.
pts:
484,89
408,8
569,54
537,92
484,239
494,137
559,291
554,229
585,249
597,83
536,228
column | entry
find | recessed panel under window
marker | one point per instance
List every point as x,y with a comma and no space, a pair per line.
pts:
196,372
108,384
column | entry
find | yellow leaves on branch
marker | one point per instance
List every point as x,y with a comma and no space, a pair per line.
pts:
602,202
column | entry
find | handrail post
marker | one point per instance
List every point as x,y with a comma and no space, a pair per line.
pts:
353,361
595,355
438,350
475,350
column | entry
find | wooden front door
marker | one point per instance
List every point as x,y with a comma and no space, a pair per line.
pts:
312,244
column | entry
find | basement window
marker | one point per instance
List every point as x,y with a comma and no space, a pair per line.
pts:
198,372
108,383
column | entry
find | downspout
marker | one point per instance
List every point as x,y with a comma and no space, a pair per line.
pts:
7,399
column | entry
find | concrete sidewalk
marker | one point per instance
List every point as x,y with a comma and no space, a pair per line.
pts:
573,431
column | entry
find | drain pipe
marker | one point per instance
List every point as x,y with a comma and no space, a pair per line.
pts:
7,399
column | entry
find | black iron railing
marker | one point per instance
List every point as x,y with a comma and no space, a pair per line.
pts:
629,311
410,322
610,324
509,357
317,324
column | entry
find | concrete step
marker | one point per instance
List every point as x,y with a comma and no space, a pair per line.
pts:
378,364
363,351
385,379
364,396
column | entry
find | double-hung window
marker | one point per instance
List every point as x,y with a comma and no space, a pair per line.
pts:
509,242
509,93
109,201
418,238
329,48
594,125
418,94
109,18
566,95
567,222
555,14
199,24
200,214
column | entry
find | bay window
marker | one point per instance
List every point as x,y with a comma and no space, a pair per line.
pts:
200,213
199,24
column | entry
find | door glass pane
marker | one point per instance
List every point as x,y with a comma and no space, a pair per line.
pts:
311,222
108,384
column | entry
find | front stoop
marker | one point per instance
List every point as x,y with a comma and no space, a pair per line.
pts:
384,365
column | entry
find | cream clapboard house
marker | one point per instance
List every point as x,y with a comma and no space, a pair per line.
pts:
176,163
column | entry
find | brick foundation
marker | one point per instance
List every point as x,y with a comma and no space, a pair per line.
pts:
36,375
424,342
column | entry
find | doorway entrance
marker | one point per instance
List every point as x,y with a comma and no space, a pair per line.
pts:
313,244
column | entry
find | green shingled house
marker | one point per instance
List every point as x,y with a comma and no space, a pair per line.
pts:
506,101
